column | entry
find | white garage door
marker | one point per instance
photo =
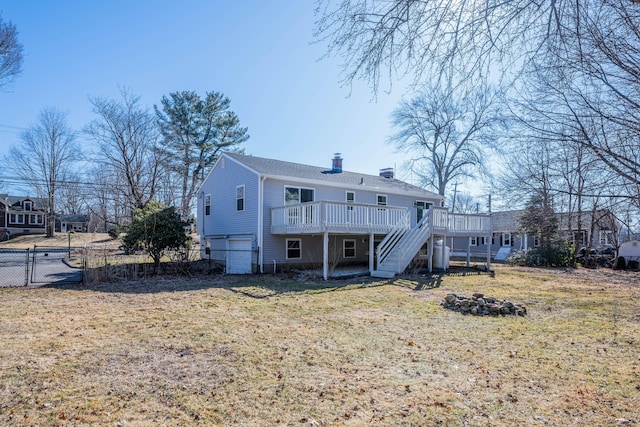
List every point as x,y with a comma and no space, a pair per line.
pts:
239,257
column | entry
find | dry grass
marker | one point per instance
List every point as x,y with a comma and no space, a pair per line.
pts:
265,350
60,240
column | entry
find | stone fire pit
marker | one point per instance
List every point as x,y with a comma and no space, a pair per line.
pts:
480,305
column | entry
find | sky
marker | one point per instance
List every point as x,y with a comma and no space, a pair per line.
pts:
260,54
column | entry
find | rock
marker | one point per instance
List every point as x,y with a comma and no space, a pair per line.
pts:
480,305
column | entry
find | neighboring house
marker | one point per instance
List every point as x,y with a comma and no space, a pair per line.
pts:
257,215
75,223
22,215
599,227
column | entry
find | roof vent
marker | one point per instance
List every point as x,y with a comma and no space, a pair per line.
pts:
336,163
386,173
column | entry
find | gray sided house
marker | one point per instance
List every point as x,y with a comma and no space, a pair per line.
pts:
259,215
22,215
598,229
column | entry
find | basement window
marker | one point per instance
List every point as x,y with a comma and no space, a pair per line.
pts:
349,248
294,248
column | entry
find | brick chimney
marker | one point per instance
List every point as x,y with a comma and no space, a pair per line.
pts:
386,173
336,163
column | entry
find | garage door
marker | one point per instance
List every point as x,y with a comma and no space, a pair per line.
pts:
239,257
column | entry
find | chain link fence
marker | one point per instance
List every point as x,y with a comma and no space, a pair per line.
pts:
39,265
43,265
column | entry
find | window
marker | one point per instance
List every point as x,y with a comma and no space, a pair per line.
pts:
16,218
351,196
240,198
473,241
505,239
35,219
297,195
579,238
207,204
382,200
536,241
27,205
294,249
348,248
606,237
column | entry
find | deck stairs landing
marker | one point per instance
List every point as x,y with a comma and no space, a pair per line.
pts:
400,246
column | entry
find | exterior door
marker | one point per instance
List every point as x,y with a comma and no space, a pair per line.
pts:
421,209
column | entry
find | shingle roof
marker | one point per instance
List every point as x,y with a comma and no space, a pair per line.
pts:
38,202
280,168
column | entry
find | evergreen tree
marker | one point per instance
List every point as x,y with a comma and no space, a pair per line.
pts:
539,219
195,131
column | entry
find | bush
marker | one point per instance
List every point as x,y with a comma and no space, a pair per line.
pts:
558,254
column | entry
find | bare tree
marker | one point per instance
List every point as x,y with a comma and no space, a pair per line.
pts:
423,38
10,52
128,145
46,157
446,132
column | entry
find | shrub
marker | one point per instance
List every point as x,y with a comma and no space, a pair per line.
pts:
558,254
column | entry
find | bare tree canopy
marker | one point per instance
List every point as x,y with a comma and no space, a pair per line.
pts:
10,52
127,140
446,132
376,38
46,157
195,131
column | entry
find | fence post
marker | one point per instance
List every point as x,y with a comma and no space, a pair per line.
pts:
26,269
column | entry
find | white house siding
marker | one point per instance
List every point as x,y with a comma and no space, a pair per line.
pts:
274,246
225,222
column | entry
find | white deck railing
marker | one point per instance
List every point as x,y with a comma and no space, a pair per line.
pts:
468,224
342,217
335,217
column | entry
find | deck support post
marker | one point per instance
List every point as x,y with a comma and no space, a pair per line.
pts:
489,253
372,248
469,251
325,255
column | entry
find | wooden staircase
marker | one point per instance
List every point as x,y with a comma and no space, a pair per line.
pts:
400,246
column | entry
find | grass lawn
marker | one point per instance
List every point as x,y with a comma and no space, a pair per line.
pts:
265,350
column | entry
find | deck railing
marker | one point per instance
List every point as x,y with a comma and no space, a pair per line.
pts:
343,217
468,224
335,217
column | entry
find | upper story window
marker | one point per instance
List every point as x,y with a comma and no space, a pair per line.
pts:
27,205
297,195
350,196
240,198
382,200
207,204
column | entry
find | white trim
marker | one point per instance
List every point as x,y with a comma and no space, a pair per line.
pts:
386,200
